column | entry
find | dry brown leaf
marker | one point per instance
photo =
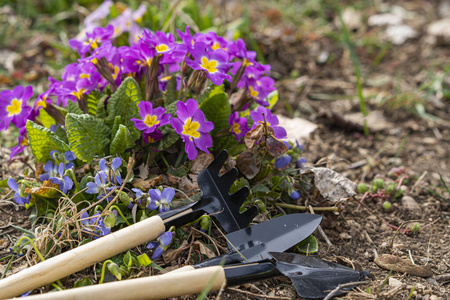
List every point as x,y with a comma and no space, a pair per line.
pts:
332,185
143,171
203,249
172,254
392,262
246,163
146,184
201,162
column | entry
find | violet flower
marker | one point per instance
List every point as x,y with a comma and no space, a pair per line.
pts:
19,197
282,161
163,241
262,114
151,118
160,199
98,185
94,225
192,127
65,183
115,176
13,106
238,125
214,63
294,195
67,158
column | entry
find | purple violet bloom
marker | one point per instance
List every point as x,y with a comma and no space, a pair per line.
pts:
67,158
115,176
23,142
192,127
65,183
294,195
95,225
18,196
51,170
282,161
162,243
151,118
13,106
98,185
213,63
160,199
300,162
238,125
261,114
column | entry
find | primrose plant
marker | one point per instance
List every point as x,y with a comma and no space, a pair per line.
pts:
160,97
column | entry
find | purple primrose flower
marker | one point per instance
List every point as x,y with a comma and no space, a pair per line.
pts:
261,114
214,63
13,106
192,127
238,125
151,118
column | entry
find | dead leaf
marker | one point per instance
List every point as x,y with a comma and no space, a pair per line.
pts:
203,249
297,129
275,147
247,164
254,136
201,162
143,171
392,262
146,184
172,254
332,185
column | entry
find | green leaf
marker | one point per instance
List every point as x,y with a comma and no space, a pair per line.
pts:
170,95
92,101
172,108
308,245
117,122
124,102
210,92
128,260
42,140
121,141
46,119
170,136
82,282
272,99
73,108
217,109
101,110
88,136
144,260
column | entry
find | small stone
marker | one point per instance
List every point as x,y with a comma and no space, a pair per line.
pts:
411,205
434,297
345,236
384,245
441,30
394,282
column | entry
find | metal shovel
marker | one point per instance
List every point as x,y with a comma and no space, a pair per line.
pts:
216,201
312,277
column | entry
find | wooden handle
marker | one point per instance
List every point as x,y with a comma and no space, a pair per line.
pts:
172,284
82,257
182,269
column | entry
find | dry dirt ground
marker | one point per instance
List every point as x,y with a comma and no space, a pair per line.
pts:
316,81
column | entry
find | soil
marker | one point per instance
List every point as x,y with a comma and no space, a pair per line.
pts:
325,93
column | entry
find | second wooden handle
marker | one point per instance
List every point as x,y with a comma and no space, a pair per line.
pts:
82,257
168,285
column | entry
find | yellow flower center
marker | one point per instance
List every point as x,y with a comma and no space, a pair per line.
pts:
162,48
79,93
42,103
151,120
24,142
85,76
237,128
209,65
95,61
164,79
94,44
215,46
247,63
253,93
15,108
191,128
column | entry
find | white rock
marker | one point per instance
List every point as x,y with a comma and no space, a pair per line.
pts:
394,282
384,19
297,129
441,30
398,34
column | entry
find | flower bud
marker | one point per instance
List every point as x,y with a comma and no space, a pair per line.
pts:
294,195
362,188
125,199
114,269
261,206
110,220
205,221
387,205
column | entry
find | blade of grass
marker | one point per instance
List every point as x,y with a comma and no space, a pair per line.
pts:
356,65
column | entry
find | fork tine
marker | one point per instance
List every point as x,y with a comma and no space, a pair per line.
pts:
238,198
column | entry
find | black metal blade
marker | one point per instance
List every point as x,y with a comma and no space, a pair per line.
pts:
254,243
313,277
217,200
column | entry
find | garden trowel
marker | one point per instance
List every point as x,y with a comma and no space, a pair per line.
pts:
312,277
216,200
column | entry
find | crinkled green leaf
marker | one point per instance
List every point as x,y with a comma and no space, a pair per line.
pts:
122,140
272,99
46,119
210,92
170,136
172,108
92,100
73,108
117,122
124,102
88,136
171,93
42,140
101,109
217,109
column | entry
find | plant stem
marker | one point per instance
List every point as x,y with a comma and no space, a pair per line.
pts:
299,207
104,269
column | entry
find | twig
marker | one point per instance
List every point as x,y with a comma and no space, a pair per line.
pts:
322,233
443,277
300,207
215,243
258,295
342,286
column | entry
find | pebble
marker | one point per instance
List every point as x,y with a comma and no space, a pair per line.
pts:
440,30
411,205
394,282
345,236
